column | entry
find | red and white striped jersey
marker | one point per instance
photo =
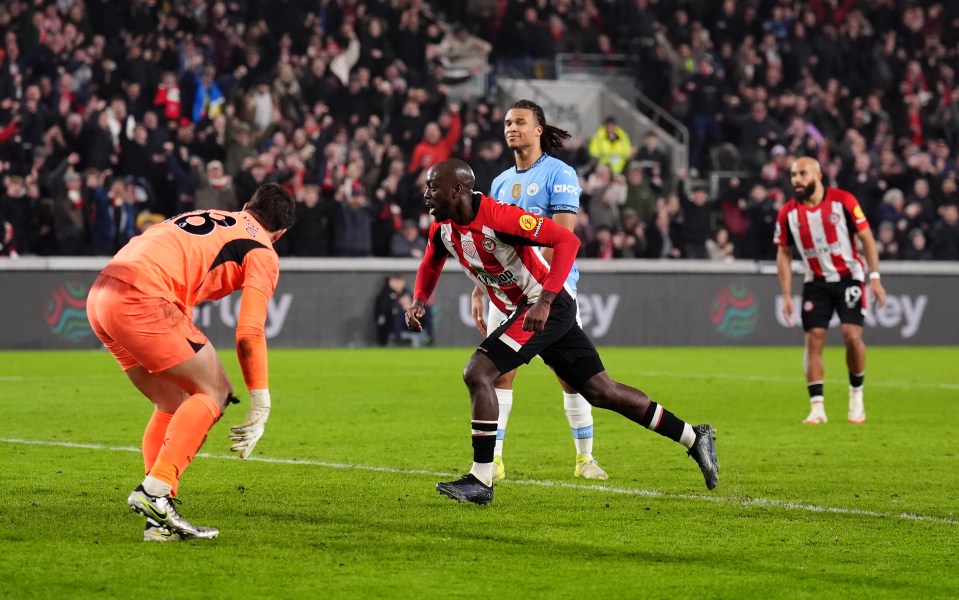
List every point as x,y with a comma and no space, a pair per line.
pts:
824,235
496,250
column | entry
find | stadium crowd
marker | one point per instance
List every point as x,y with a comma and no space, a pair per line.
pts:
114,116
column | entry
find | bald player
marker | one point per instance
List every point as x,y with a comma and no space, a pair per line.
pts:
141,308
494,245
822,224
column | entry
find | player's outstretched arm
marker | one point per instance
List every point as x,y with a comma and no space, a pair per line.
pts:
476,309
536,317
871,253
784,270
252,355
413,315
427,276
564,220
246,436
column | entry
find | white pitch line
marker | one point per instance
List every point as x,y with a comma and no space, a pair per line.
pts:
744,502
791,380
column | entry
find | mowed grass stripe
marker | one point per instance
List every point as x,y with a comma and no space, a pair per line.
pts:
744,502
929,385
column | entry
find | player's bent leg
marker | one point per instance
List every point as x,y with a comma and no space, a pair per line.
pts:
503,386
204,374
478,376
814,342
579,414
165,395
855,347
204,378
504,399
505,381
856,363
166,398
602,391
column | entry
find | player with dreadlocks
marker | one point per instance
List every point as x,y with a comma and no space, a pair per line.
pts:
543,185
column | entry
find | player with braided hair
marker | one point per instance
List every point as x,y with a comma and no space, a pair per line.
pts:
545,186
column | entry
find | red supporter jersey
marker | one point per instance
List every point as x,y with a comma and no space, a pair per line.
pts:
496,250
824,235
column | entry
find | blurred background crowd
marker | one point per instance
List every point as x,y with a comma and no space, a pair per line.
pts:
116,115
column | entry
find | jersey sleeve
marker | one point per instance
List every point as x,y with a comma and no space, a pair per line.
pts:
428,273
261,274
251,338
851,206
781,235
261,270
564,191
514,222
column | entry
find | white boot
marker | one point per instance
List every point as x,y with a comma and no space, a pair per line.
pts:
817,413
857,412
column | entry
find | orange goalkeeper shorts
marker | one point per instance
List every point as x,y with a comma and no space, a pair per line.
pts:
139,329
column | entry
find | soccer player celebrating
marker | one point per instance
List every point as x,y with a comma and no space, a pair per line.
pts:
821,223
141,309
493,242
545,186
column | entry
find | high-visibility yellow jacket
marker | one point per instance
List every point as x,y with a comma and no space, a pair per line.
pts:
614,153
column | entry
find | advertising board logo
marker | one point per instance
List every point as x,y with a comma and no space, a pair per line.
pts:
735,311
66,312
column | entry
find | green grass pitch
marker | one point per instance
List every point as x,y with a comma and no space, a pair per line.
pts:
340,500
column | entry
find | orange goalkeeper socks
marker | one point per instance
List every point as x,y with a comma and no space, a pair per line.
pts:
184,435
153,437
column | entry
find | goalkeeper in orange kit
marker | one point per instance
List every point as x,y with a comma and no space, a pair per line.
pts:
141,309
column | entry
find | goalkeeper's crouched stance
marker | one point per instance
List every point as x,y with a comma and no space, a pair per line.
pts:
141,308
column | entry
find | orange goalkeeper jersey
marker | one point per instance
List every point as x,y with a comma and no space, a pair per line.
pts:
199,256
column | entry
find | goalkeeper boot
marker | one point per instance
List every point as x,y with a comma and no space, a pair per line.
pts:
500,473
817,415
162,510
588,468
154,532
857,412
704,453
467,489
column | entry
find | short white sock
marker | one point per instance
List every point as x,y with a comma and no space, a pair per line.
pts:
156,487
579,413
505,399
814,400
483,472
688,438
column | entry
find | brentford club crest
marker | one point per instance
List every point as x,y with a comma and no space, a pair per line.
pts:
808,305
469,248
834,219
489,244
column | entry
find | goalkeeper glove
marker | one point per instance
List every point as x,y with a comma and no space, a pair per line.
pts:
249,433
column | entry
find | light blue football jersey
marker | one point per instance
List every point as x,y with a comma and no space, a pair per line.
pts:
550,186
